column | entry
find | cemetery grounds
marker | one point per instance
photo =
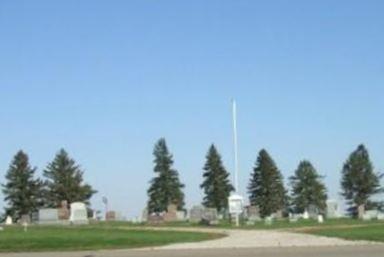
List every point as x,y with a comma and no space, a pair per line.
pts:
124,235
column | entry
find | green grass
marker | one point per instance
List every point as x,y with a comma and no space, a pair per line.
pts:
369,232
50,238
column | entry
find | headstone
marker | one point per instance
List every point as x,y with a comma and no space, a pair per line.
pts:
171,214
253,213
361,211
305,215
380,216
196,214
313,211
250,223
63,211
25,218
367,217
8,221
35,217
180,216
268,220
210,216
78,214
110,216
278,214
371,214
155,219
293,217
48,217
320,219
144,215
332,210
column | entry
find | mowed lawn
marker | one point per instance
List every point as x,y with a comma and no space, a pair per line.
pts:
370,232
44,238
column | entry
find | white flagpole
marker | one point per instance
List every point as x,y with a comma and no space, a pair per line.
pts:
236,157
235,145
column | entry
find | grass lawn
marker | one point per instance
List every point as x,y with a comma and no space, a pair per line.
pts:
50,238
370,232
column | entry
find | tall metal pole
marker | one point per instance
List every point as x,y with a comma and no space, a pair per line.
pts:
235,145
235,153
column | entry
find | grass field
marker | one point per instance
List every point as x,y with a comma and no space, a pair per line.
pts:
14,239
370,232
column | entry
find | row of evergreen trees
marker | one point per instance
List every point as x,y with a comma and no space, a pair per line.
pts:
266,187
24,193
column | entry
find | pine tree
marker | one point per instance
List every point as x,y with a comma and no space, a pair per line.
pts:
216,184
359,181
64,181
22,191
307,188
266,188
165,188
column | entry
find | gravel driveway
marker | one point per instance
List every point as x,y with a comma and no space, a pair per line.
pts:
262,238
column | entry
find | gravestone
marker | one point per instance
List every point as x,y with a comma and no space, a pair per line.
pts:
293,217
320,219
63,211
278,214
305,215
196,214
78,215
313,211
332,210
253,213
35,217
268,220
155,219
25,219
48,217
110,216
366,217
370,215
8,221
180,216
144,215
380,216
171,214
210,216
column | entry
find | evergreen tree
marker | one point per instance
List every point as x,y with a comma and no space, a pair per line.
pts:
64,181
266,187
216,184
307,188
22,191
359,181
166,187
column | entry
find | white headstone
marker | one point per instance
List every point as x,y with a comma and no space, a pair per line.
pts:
320,219
48,216
268,220
196,214
8,221
332,209
306,215
79,213
380,216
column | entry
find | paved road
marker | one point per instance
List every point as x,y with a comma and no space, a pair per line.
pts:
333,251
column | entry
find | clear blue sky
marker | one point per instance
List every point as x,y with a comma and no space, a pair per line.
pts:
106,79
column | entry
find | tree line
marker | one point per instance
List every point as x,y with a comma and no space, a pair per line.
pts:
62,180
266,188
